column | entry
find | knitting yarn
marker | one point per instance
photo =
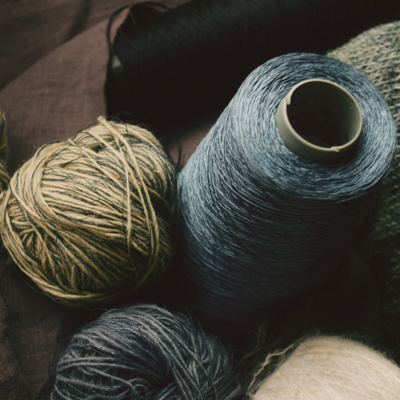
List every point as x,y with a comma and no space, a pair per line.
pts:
331,368
4,176
376,53
91,218
260,224
145,352
167,68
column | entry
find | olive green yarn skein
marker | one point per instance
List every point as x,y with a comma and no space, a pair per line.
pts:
90,219
376,53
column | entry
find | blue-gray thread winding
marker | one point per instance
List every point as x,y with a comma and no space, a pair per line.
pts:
261,224
145,352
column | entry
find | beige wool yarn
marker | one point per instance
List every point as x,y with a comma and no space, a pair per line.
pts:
331,368
376,53
90,219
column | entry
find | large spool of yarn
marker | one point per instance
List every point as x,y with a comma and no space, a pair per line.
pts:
91,218
145,352
166,68
260,223
331,368
376,53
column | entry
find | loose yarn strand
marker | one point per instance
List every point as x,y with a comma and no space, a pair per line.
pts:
4,176
267,362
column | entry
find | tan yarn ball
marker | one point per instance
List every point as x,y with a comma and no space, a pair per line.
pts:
376,53
4,176
332,368
90,219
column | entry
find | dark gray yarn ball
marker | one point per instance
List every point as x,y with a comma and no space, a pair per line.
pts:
145,352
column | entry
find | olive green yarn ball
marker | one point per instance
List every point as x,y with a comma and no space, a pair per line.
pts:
376,53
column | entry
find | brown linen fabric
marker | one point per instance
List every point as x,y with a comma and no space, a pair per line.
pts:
60,95
32,329
13,385
31,29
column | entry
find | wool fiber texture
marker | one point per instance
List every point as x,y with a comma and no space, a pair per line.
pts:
145,352
90,219
376,53
331,368
260,224
168,68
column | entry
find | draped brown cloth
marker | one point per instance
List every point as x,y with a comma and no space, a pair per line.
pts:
53,58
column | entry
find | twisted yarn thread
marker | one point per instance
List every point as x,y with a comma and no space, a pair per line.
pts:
90,219
376,53
145,352
331,368
260,224
4,176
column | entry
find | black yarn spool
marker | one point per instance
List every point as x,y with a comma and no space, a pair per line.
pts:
260,224
172,67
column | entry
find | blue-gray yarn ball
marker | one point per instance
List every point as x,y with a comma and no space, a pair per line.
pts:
145,352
